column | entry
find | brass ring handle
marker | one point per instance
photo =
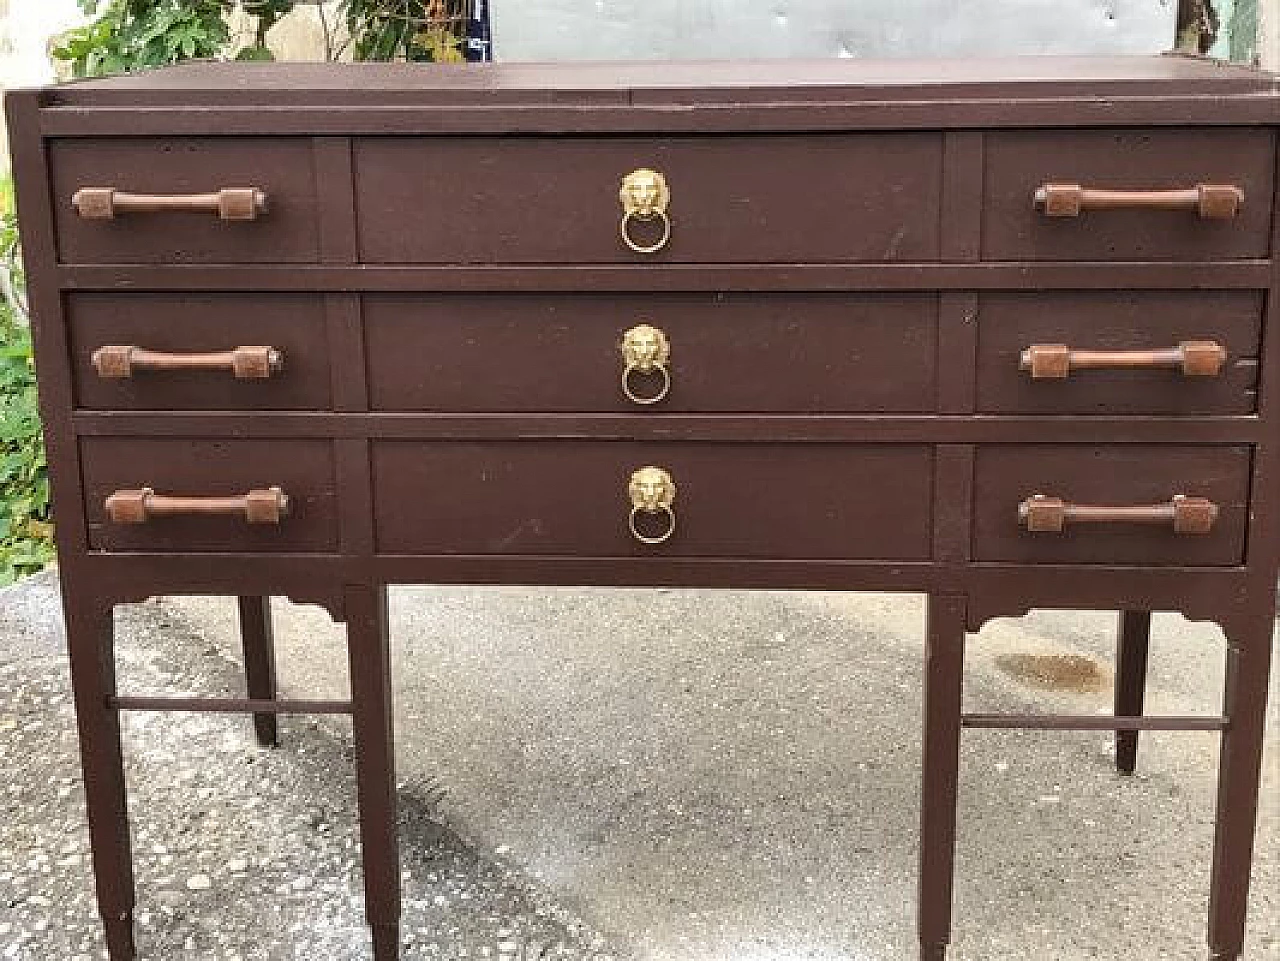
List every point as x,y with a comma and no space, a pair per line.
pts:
645,350
662,538
121,361
646,400
645,196
267,506
1193,358
652,491
641,248
1041,514
1208,201
228,203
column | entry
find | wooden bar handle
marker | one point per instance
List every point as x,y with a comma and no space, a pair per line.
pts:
1194,358
121,361
268,506
1209,201
229,203
1041,514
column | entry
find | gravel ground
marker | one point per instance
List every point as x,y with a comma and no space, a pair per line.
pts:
241,853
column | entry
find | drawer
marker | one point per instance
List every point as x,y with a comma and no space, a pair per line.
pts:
761,500
789,198
790,353
1119,352
1126,476
217,474
1019,163
179,171
179,352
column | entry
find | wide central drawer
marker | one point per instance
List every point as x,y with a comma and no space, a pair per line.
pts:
570,497
733,353
790,198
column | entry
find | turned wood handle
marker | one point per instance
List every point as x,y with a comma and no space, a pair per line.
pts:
1187,515
1209,201
268,506
117,361
229,203
1194,358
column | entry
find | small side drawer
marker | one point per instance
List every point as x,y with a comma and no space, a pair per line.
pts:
175,171
209,471
191,334
731,199
1128,342
736,353
761,500
1143,477
1150,161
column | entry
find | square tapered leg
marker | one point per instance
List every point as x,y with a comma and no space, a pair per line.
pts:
370,659
91,645
260,663
944,679
1132,645
1239,771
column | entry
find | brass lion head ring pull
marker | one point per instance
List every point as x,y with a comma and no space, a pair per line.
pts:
646,352
645,197
652,491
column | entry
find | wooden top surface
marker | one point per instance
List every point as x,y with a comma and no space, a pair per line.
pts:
244,84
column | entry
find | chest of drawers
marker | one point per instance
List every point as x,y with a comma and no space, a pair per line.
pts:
996,332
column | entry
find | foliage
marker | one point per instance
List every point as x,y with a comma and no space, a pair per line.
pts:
416,30
133,34
26,534
126,35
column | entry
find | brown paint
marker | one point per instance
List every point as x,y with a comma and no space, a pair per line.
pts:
856,267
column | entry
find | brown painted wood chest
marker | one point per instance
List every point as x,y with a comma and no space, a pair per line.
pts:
1000,332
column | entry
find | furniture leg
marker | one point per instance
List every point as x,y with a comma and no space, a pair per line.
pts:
91,647
943,685
369,654
260,663
1239,769
1132,646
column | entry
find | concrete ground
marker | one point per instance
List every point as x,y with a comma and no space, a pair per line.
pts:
723,776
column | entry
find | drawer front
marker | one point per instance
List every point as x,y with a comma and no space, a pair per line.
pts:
1117,475
727,353
1142,328
181,345
286,231
839,197
205,469
732,500
1019,163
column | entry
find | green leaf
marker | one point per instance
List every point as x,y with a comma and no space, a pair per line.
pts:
255,53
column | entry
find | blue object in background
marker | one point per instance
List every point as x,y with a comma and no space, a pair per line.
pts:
478,45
